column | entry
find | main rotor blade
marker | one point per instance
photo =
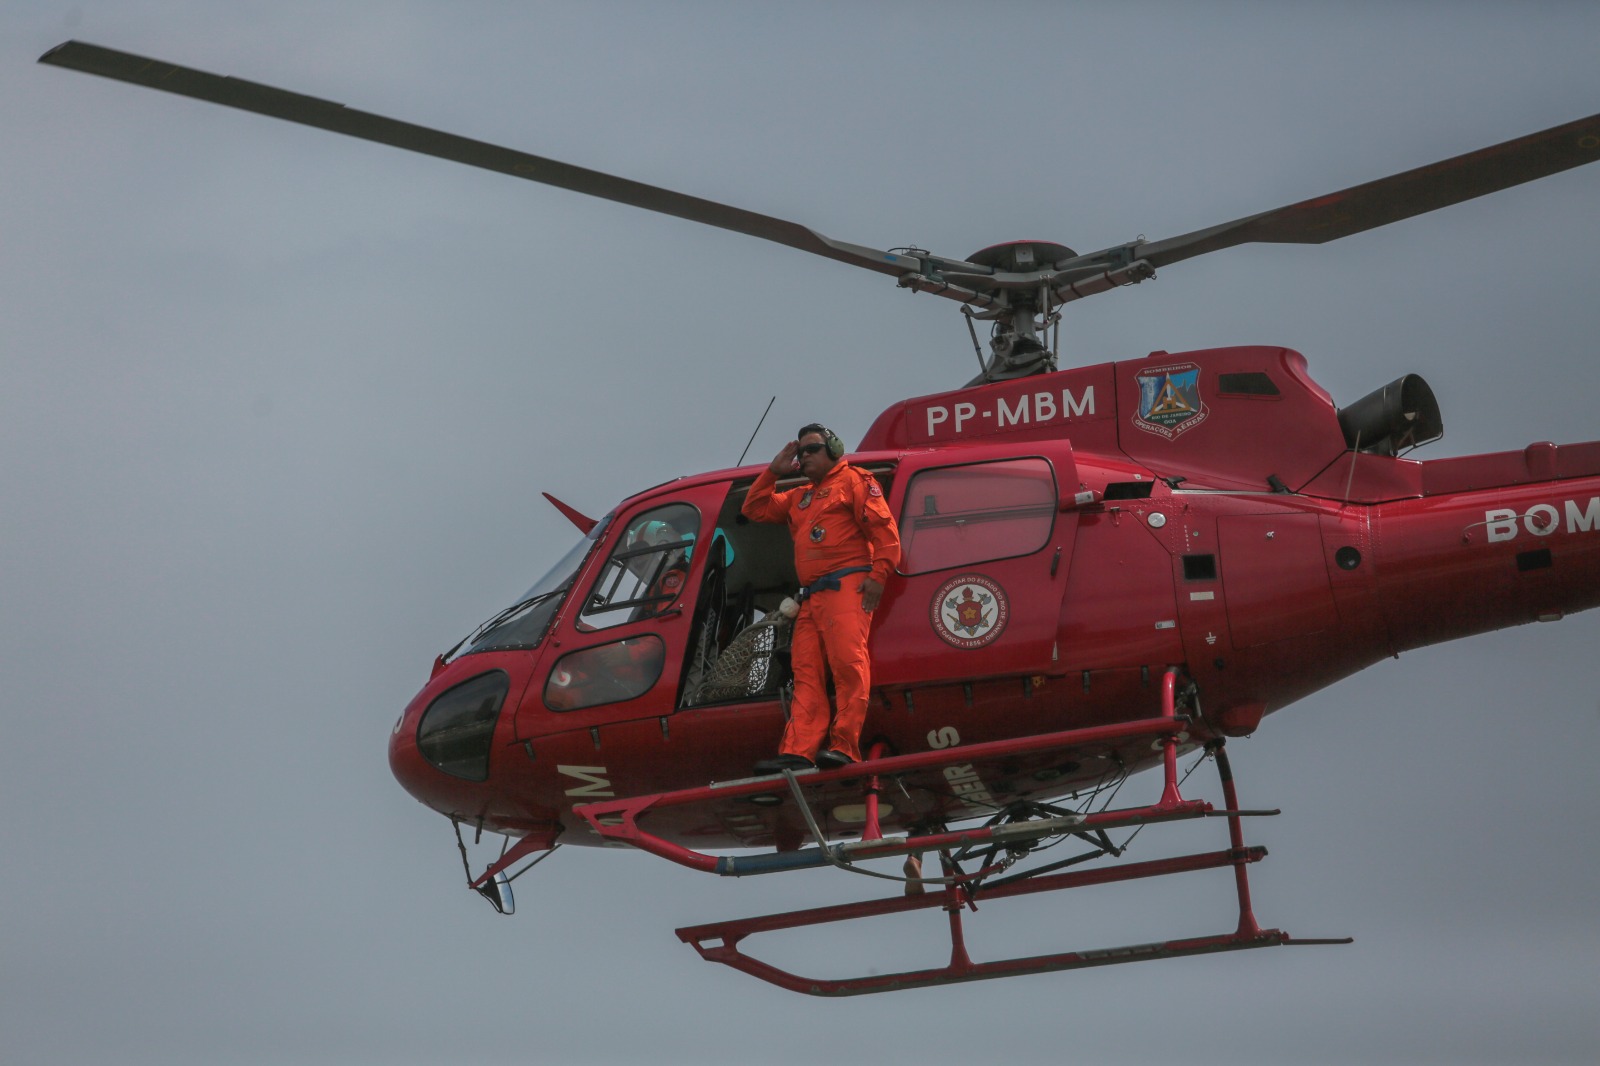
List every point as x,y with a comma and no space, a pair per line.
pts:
337,118
1415,192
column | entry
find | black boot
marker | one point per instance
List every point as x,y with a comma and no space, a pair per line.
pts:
783,762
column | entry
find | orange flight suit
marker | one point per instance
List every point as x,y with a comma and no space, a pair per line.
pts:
843,522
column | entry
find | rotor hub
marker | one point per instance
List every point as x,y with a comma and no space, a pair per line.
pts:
1021,257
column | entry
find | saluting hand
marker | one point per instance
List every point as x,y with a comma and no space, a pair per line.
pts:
784,462
871,593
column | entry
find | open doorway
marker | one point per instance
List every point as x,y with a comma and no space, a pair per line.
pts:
739,648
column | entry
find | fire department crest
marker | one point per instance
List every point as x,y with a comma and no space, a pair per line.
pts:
969,611
1169,400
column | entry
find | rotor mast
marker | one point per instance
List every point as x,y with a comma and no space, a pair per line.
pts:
1020,286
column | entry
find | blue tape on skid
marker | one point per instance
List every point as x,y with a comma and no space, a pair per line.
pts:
775,862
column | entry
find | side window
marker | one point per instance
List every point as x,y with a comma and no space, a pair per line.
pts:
609,673
645,573
960,515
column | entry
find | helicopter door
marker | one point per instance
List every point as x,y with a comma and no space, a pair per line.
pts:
1274,568
978,589
1120,610
616,654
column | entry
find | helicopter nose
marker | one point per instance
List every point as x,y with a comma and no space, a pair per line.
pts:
443,739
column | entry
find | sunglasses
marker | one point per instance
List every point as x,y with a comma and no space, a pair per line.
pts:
811,449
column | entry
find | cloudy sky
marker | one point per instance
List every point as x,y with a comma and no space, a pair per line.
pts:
276,408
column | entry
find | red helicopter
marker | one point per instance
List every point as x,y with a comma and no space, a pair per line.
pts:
1105,569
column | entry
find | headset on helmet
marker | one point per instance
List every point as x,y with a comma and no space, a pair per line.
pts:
830,439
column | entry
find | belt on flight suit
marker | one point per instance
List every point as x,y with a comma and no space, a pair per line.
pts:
829,582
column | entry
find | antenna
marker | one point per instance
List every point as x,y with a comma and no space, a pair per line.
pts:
753,432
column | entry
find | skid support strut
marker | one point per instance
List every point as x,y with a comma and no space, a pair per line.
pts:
619,820
720,941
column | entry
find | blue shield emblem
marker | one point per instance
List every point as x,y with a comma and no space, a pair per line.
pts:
1170,402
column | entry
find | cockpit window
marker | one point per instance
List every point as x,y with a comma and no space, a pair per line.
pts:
647,569
524,624
609,673
455,732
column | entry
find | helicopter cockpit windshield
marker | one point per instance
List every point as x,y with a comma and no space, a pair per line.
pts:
523,625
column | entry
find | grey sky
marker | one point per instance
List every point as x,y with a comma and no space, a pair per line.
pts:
276,408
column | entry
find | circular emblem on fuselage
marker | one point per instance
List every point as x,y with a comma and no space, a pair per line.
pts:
969,611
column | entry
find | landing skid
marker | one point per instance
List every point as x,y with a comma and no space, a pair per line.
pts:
997,845
720,941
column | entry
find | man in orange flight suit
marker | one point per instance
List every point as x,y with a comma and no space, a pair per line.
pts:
845,547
